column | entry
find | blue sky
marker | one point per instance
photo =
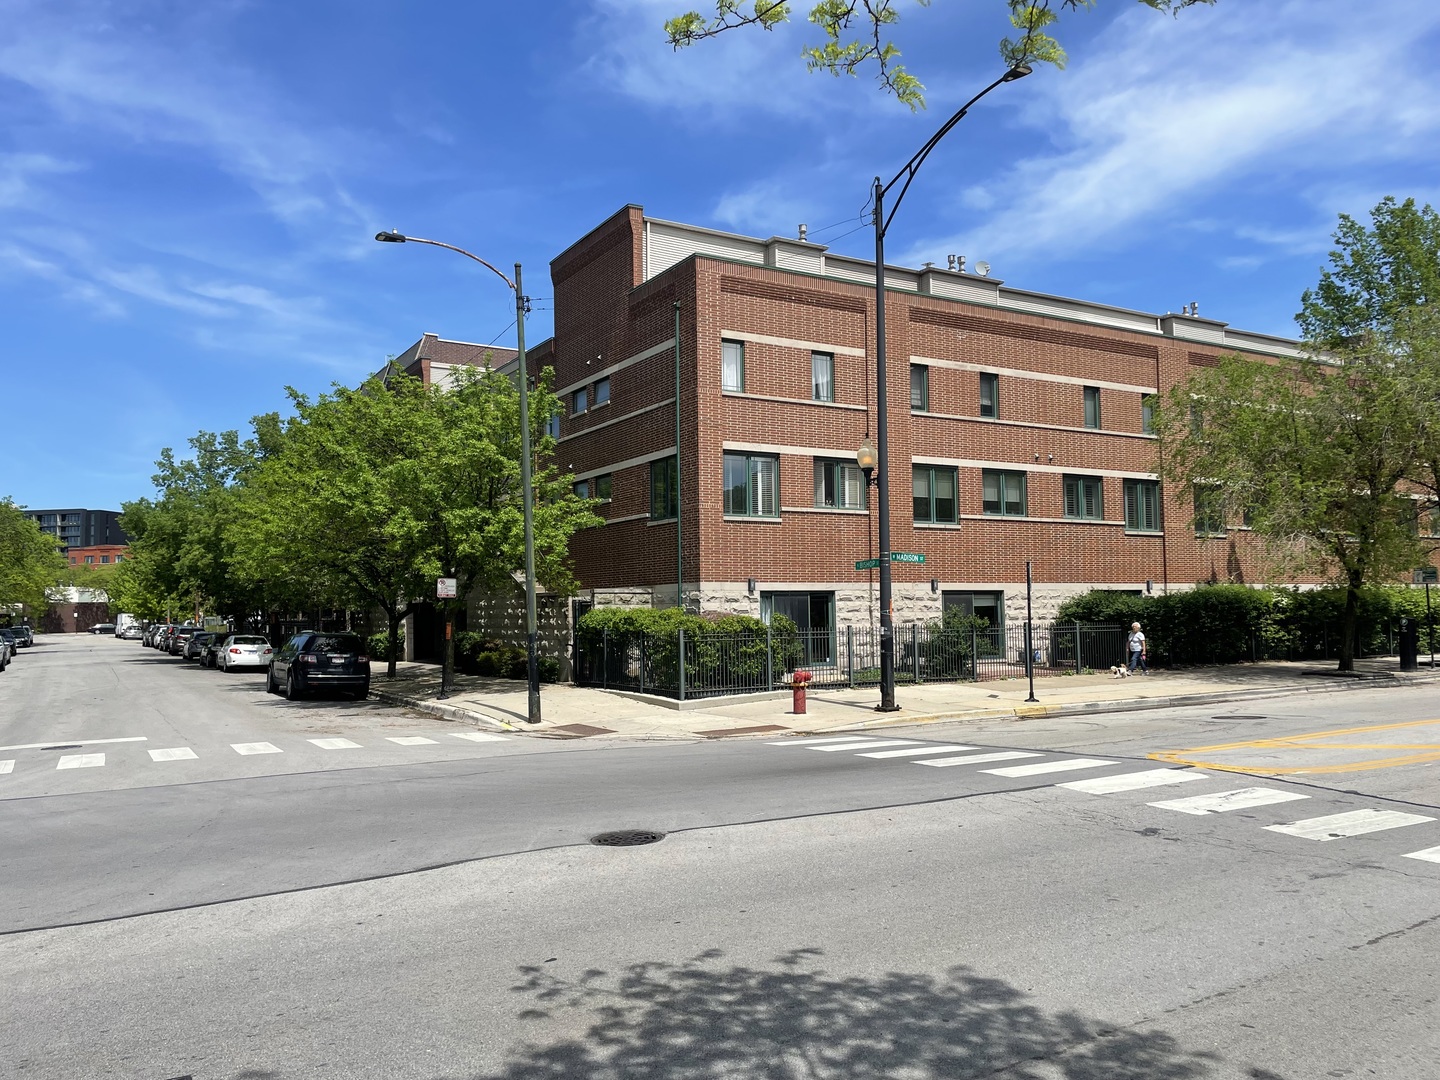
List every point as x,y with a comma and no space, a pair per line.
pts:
189,190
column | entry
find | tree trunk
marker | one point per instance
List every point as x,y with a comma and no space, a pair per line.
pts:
392,618
1349,624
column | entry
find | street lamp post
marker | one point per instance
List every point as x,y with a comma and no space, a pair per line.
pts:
527,495
882,427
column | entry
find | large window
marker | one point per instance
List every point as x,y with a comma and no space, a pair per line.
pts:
602,391
919,388
813,615
752,485
582,401
822,376
1142,506
1147,413
662,489
602,487
1092,406
987,606
989,394
934,490
1209,511
1084,498
552,426
1003,492
840,484
732,366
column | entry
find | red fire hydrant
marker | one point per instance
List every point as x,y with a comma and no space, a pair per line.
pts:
797,691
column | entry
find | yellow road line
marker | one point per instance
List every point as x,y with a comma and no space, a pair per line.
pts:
1286,740
1175,757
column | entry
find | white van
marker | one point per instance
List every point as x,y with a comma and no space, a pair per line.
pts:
128,627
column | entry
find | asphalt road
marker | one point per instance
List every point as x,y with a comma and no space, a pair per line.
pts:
812,912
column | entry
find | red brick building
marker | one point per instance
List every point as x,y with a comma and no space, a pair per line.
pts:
97,554
1018,430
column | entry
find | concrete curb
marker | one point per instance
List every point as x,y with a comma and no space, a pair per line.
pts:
445,712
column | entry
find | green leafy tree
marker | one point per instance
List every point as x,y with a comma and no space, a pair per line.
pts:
30,560
855,34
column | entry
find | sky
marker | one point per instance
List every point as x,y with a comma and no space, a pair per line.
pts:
190,191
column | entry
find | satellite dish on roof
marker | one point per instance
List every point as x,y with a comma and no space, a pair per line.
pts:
983,269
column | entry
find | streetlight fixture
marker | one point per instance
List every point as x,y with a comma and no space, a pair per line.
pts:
882,432
527,495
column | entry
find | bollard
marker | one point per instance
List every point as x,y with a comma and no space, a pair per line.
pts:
797,691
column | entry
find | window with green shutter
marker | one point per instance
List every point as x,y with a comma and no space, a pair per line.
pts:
1084,498
1142,506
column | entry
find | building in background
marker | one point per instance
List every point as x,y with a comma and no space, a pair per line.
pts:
81,528
98,555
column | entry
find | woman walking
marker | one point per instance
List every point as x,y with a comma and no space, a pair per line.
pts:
1136,643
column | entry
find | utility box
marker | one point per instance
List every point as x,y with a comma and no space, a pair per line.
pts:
1409,644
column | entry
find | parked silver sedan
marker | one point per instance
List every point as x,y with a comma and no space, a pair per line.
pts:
244,650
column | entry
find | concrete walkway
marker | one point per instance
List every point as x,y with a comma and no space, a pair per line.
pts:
582,712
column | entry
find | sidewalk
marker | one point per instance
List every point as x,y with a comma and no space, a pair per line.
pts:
582,712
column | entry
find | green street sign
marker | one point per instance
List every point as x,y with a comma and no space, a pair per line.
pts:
1426,575
868,564
906,556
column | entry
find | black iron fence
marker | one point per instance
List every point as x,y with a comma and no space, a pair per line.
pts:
698,665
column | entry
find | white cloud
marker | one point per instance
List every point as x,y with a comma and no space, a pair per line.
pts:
1160,113
19,174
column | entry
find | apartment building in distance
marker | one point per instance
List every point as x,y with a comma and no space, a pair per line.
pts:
81,528
1019,430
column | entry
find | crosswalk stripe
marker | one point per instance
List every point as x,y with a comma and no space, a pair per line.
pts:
177,753
915,751
335,744
975,759
818,740
1109,785
80,761
255,748
1430,854
864,744
1040,769
478,736
7,766
1351,823
1224,801
410,740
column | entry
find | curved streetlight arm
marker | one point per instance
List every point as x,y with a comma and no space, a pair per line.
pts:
393,237
913,165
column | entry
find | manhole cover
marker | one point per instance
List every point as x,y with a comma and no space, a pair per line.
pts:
627,838
1240,716
70,746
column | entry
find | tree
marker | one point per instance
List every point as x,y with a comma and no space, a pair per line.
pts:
856,34
30,560
1333,459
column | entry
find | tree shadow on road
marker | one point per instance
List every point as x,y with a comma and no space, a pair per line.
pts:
792,1020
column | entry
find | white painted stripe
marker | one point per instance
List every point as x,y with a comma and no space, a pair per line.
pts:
916,751
1109,785
80,761
335,744
7,766
478,736
1068,765
255,748
73,742
1430,854
863,744
1351,823
1223,801
410,740
975,759
178,753
817,740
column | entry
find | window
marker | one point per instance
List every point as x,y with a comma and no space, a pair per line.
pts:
732,366
989,394
1142,506
919,388
752,483
89,558
813,615
119,558
1084,498
601,487
582,489
552,426
988,606
1003,492
1209,511
840,484
581,401
1092,406
662,489
1147,413
822,376
934,491
602,391
105,558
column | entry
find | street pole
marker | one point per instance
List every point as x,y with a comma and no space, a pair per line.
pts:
527,501
1029,635
882,430
679,511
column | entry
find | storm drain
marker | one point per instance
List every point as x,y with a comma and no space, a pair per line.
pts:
627,838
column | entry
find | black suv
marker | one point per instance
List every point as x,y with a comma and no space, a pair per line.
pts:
315,659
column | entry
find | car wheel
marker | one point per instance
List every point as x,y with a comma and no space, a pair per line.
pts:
270,680
290,692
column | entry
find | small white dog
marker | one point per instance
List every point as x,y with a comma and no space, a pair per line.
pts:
1120,671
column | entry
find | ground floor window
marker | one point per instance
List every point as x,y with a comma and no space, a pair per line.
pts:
988,609
813,613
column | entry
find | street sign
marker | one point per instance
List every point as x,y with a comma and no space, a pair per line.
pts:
1426,575
906,556
868,564
445,588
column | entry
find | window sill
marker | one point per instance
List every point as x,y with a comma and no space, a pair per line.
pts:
792,401
752,519
936,524
1138,532
853,511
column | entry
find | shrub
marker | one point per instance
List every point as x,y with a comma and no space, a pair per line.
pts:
379,645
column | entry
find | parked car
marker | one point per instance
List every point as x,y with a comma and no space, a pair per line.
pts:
24,636
11,641
5,654
157,639
313,660
197,645
175,641
103,628
243,650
